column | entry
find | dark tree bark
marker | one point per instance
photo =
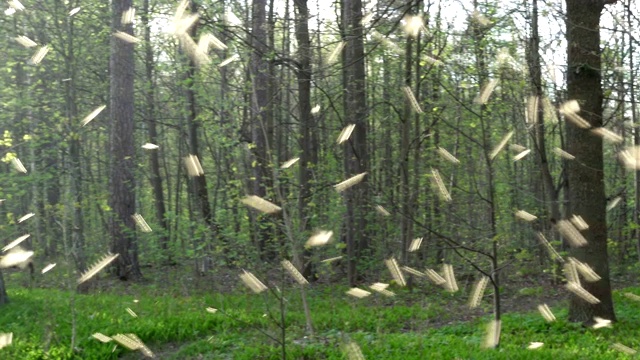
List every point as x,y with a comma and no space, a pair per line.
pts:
634,119
260,124
150,113
199,186
52,190
406,225
549,192
586,173
121,184
75,154
309,149
546,190
479,37
4,298
356,157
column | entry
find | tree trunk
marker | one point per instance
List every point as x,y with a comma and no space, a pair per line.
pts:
4,298
150,113
121,184
198,183
356,158
586,176
548,192
535,74
260,125
406,222
486,129
636,130
75,166
306,124
51,214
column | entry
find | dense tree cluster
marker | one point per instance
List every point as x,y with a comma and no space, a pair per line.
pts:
461,124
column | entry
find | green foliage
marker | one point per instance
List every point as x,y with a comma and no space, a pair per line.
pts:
180,328
528,291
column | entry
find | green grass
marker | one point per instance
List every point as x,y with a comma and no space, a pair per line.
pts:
180,328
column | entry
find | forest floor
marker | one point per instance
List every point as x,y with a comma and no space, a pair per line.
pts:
518,294
424,322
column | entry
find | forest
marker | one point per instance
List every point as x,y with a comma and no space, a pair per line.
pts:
311,179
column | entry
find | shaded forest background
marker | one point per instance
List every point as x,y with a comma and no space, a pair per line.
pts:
457,128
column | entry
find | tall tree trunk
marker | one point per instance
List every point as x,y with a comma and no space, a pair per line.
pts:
356,159
479,34
75,171
388,175
620,218
226,123
535,75
548,194
306,124
199,187
634,119
51,162
406,222
121,184
260,129
586,176
150,113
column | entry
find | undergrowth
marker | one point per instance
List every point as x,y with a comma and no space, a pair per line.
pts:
244,327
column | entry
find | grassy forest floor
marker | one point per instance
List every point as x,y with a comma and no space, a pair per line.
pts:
172,320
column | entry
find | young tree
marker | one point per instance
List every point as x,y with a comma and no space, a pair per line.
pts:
586,177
